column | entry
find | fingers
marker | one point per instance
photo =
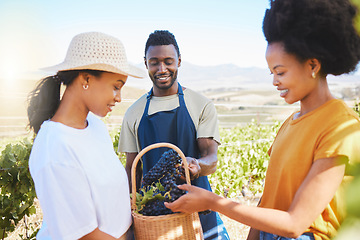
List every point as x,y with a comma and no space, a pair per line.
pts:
193,201
170,205
178,205
185,187
175,206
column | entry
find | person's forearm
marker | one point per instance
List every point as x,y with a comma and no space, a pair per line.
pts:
208,160
268,220
128,172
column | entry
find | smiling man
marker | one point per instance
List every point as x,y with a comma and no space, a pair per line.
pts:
175,114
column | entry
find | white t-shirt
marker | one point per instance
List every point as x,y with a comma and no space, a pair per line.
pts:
79,181
201,110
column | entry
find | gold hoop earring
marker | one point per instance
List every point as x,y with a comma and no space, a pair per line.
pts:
85,87
313,75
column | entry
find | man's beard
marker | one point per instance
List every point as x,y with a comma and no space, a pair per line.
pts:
166,87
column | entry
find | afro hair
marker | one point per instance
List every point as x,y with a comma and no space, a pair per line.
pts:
321,29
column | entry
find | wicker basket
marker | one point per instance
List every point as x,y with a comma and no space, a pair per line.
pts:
172,226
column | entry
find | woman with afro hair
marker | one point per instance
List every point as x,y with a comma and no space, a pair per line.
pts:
302,199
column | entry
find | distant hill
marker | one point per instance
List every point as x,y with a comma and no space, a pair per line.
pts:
230,76
203,78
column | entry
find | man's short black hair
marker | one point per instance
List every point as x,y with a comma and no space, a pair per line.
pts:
161,37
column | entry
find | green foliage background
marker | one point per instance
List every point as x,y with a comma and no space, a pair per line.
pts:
17,191
243,159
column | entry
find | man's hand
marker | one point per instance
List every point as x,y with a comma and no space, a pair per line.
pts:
194,167
207,162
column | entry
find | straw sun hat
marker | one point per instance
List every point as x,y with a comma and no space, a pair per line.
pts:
97,51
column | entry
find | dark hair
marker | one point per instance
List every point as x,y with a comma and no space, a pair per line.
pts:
320,29
161,37
44,100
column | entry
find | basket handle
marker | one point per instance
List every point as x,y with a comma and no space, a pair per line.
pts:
141,153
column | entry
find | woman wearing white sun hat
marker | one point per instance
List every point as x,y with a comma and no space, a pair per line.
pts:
79,180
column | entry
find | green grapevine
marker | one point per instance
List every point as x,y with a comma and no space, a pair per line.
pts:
243,159
17,192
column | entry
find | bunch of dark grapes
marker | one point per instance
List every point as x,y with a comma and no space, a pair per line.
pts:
155,208
169,173
169,162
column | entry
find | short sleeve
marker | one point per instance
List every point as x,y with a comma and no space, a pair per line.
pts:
341,140
127,139
66,201
208,123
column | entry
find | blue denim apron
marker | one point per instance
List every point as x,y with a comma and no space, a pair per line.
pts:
176,127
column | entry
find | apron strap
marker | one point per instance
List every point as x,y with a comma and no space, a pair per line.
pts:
181,96
151,93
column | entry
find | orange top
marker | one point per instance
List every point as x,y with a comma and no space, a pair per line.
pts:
331,130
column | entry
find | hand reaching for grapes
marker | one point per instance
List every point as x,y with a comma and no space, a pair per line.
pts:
196,200
194,167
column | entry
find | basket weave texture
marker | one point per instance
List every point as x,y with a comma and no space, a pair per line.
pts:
165,227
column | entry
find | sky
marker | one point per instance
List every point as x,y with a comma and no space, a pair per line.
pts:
37,33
